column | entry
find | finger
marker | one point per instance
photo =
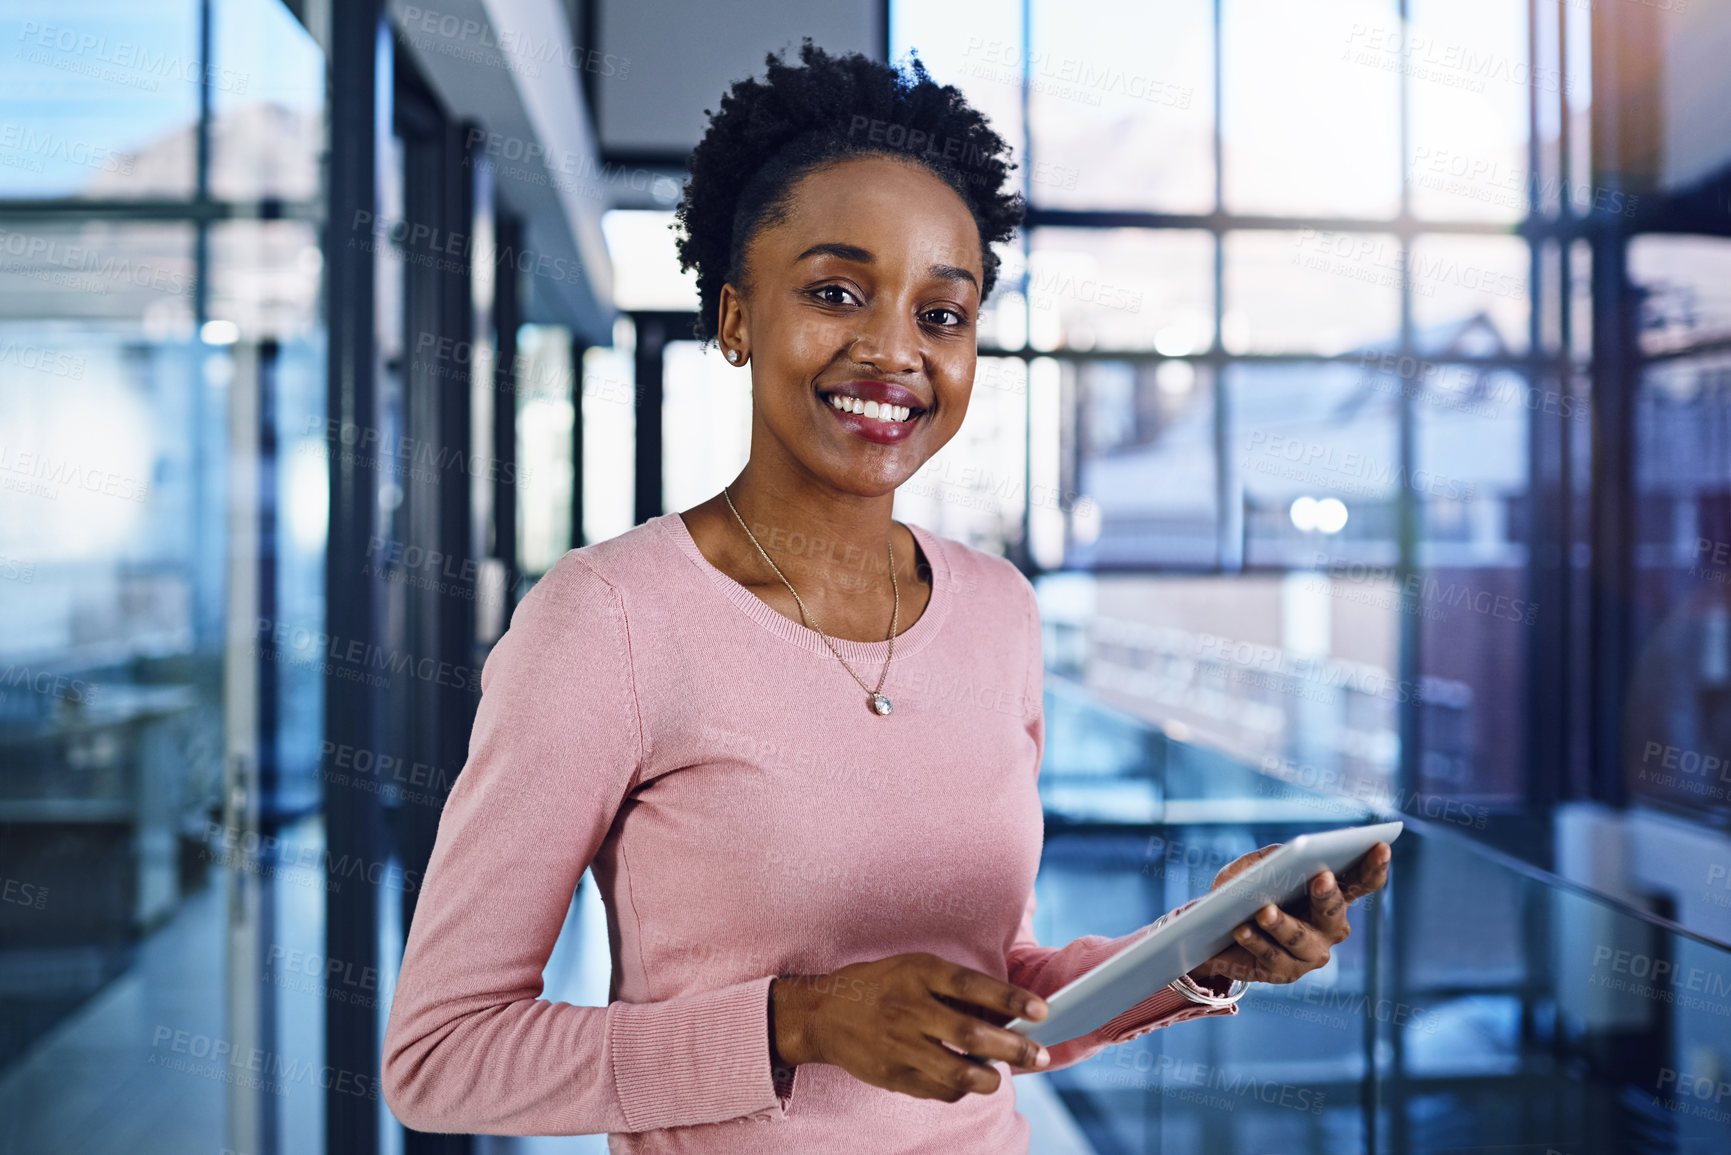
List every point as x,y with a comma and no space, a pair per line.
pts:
1356,875
921,1085
1296,937
1273,962
1368,873
996,1018
1264,950
1328,907
982,990
960,1070
984,1041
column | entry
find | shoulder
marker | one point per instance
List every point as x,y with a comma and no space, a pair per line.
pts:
626,560
571,626
603,575
587,590
987,579
1002,613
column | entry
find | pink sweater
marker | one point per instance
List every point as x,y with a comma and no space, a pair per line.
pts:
745,816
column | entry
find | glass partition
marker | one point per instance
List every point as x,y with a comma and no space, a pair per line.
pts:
163,515
1480,1004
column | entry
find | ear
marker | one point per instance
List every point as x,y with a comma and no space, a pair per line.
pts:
733,324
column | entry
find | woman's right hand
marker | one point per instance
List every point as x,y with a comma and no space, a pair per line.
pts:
885,1022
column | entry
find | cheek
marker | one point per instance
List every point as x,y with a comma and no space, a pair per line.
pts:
806,344
954,396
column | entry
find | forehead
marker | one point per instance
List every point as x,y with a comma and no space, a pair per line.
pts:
897,209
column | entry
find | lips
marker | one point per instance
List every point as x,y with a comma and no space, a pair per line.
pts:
874,410
874,400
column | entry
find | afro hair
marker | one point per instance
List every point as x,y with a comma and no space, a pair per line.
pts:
771,133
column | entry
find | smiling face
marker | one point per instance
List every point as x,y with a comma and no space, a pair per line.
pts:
868,291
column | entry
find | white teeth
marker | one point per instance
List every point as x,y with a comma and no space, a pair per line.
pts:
891,414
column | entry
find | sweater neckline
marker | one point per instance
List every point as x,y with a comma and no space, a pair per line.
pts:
910,641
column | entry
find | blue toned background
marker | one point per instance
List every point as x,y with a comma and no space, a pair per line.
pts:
1356,398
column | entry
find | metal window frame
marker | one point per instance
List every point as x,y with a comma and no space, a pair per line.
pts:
1546,664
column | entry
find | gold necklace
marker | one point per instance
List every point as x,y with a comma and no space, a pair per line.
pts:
878,702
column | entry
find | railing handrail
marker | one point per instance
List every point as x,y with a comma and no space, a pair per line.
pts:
1213,744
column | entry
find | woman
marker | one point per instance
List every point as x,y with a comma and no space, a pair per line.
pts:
804,779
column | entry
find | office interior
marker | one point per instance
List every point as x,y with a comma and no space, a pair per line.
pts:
1357,399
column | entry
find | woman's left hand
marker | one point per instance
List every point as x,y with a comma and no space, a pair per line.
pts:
1277,947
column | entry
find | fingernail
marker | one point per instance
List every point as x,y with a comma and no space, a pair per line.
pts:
1036,1007
1244,933
1043,1058
1266,915
1322,883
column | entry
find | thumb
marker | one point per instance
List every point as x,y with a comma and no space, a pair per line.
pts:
1233,869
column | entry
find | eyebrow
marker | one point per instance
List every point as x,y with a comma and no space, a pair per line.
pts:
864,257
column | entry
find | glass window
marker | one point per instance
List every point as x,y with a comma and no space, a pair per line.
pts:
1687,280
1470,591
136,277
1679,714
705,423
94,468
1310,106
542,377
1121,289
975,487
1471,441
1577,56
1467,148
1287,454
645,257
267,101
160,495
1310,291
1471,296
101,100
1123,121
1144,442
1581,301
610,436
265,278
1002,323
976,47
1317,464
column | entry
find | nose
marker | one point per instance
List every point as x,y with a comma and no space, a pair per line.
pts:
890,343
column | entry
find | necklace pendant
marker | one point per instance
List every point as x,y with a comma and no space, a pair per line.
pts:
880,703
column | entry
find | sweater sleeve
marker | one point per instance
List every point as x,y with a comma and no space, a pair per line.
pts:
470,1046
1044,969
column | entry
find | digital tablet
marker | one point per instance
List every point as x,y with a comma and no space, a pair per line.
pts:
1190,939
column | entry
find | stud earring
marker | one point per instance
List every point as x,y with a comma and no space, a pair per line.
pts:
733,355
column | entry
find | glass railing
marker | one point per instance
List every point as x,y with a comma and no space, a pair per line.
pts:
1481,1003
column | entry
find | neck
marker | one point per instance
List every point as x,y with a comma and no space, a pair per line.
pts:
841,540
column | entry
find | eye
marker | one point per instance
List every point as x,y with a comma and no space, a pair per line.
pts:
958,323
822,289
